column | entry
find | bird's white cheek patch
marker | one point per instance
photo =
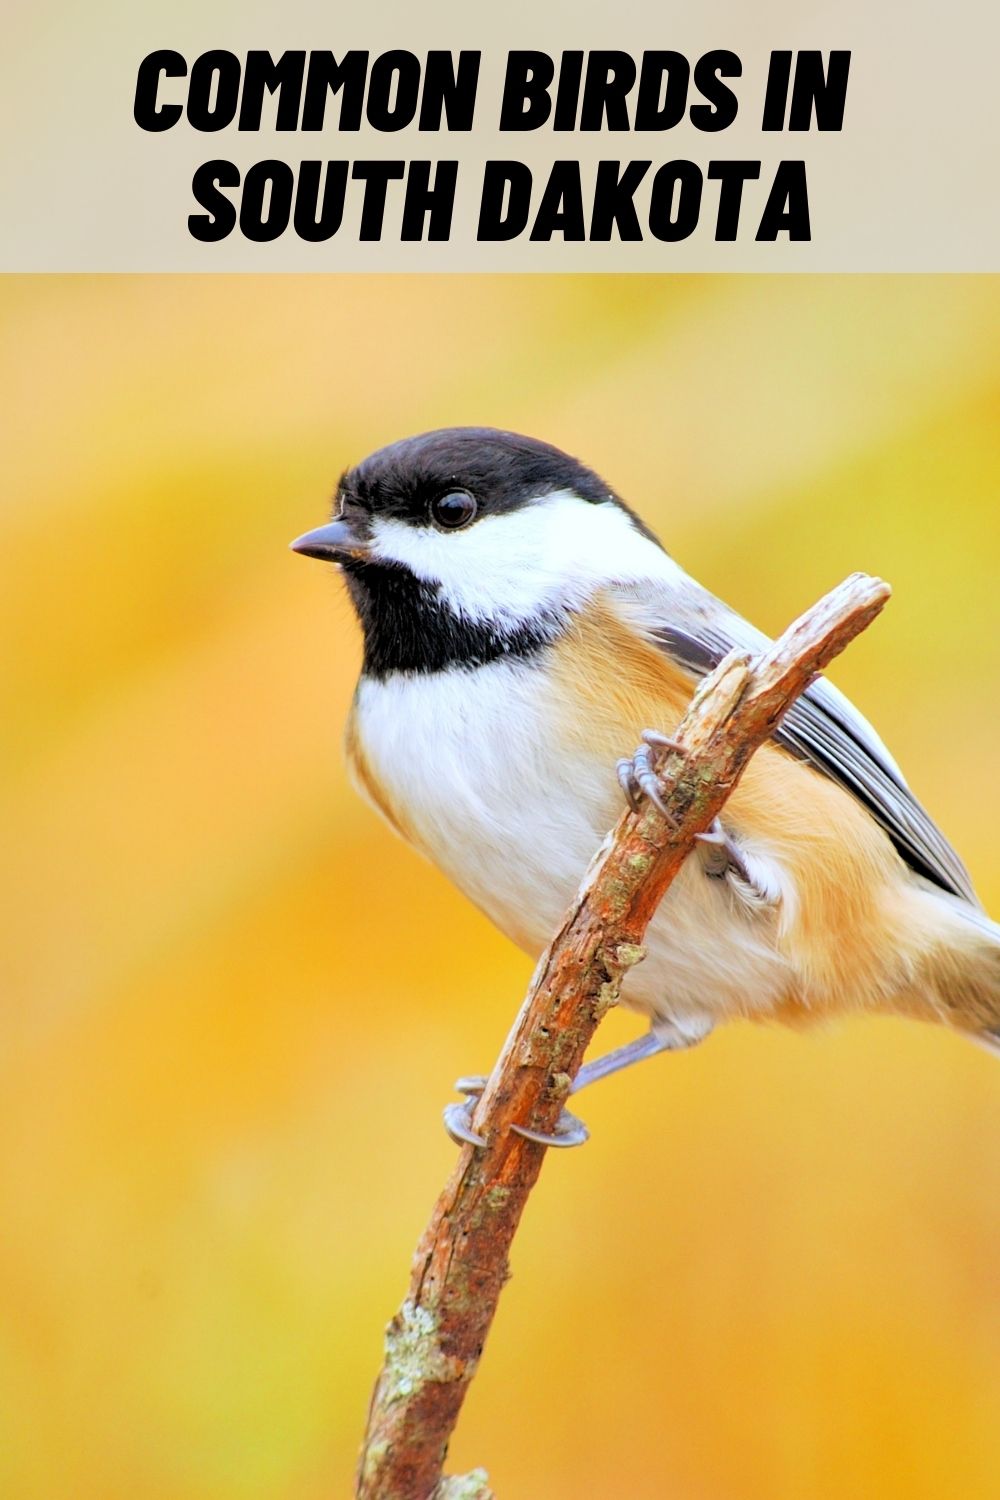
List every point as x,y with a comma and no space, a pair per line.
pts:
507,567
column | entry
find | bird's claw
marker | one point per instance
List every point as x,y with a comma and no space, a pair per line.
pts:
458,1124
458,1117
569,1130
471,1085
716,835
725,860
660,741
627,782
720,852
637,775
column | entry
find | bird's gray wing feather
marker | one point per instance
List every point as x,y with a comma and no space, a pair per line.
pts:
822,727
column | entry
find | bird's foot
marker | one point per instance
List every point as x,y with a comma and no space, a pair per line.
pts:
723,859
719,853
663,1036
637,774
569,1130
749,878
458,1117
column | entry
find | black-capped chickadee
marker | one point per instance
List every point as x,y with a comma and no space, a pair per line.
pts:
522,628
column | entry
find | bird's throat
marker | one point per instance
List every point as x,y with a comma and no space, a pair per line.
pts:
409,627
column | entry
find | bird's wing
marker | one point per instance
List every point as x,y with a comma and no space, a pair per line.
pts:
823,727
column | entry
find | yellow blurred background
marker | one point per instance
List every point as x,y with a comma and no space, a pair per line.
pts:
235,1004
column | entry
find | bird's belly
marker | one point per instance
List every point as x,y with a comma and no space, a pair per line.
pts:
467,766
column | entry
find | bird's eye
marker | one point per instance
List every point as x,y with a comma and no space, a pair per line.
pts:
456,508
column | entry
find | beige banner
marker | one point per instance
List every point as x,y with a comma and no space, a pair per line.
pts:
908,183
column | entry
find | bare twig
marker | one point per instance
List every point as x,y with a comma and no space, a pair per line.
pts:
434,1342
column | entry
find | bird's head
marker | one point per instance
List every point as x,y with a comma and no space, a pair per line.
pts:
468,543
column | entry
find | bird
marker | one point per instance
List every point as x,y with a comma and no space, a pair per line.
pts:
522,628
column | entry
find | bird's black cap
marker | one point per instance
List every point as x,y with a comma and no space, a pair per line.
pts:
503,470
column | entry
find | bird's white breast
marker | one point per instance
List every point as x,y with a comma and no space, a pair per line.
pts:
472,760
476,765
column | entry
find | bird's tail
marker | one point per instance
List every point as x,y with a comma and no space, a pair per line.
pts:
958,974
988,1039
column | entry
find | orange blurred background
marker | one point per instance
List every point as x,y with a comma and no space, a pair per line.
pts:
235,1004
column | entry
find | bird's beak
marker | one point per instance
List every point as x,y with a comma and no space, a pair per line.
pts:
333,542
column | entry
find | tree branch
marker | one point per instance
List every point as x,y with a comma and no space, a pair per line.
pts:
434,1342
